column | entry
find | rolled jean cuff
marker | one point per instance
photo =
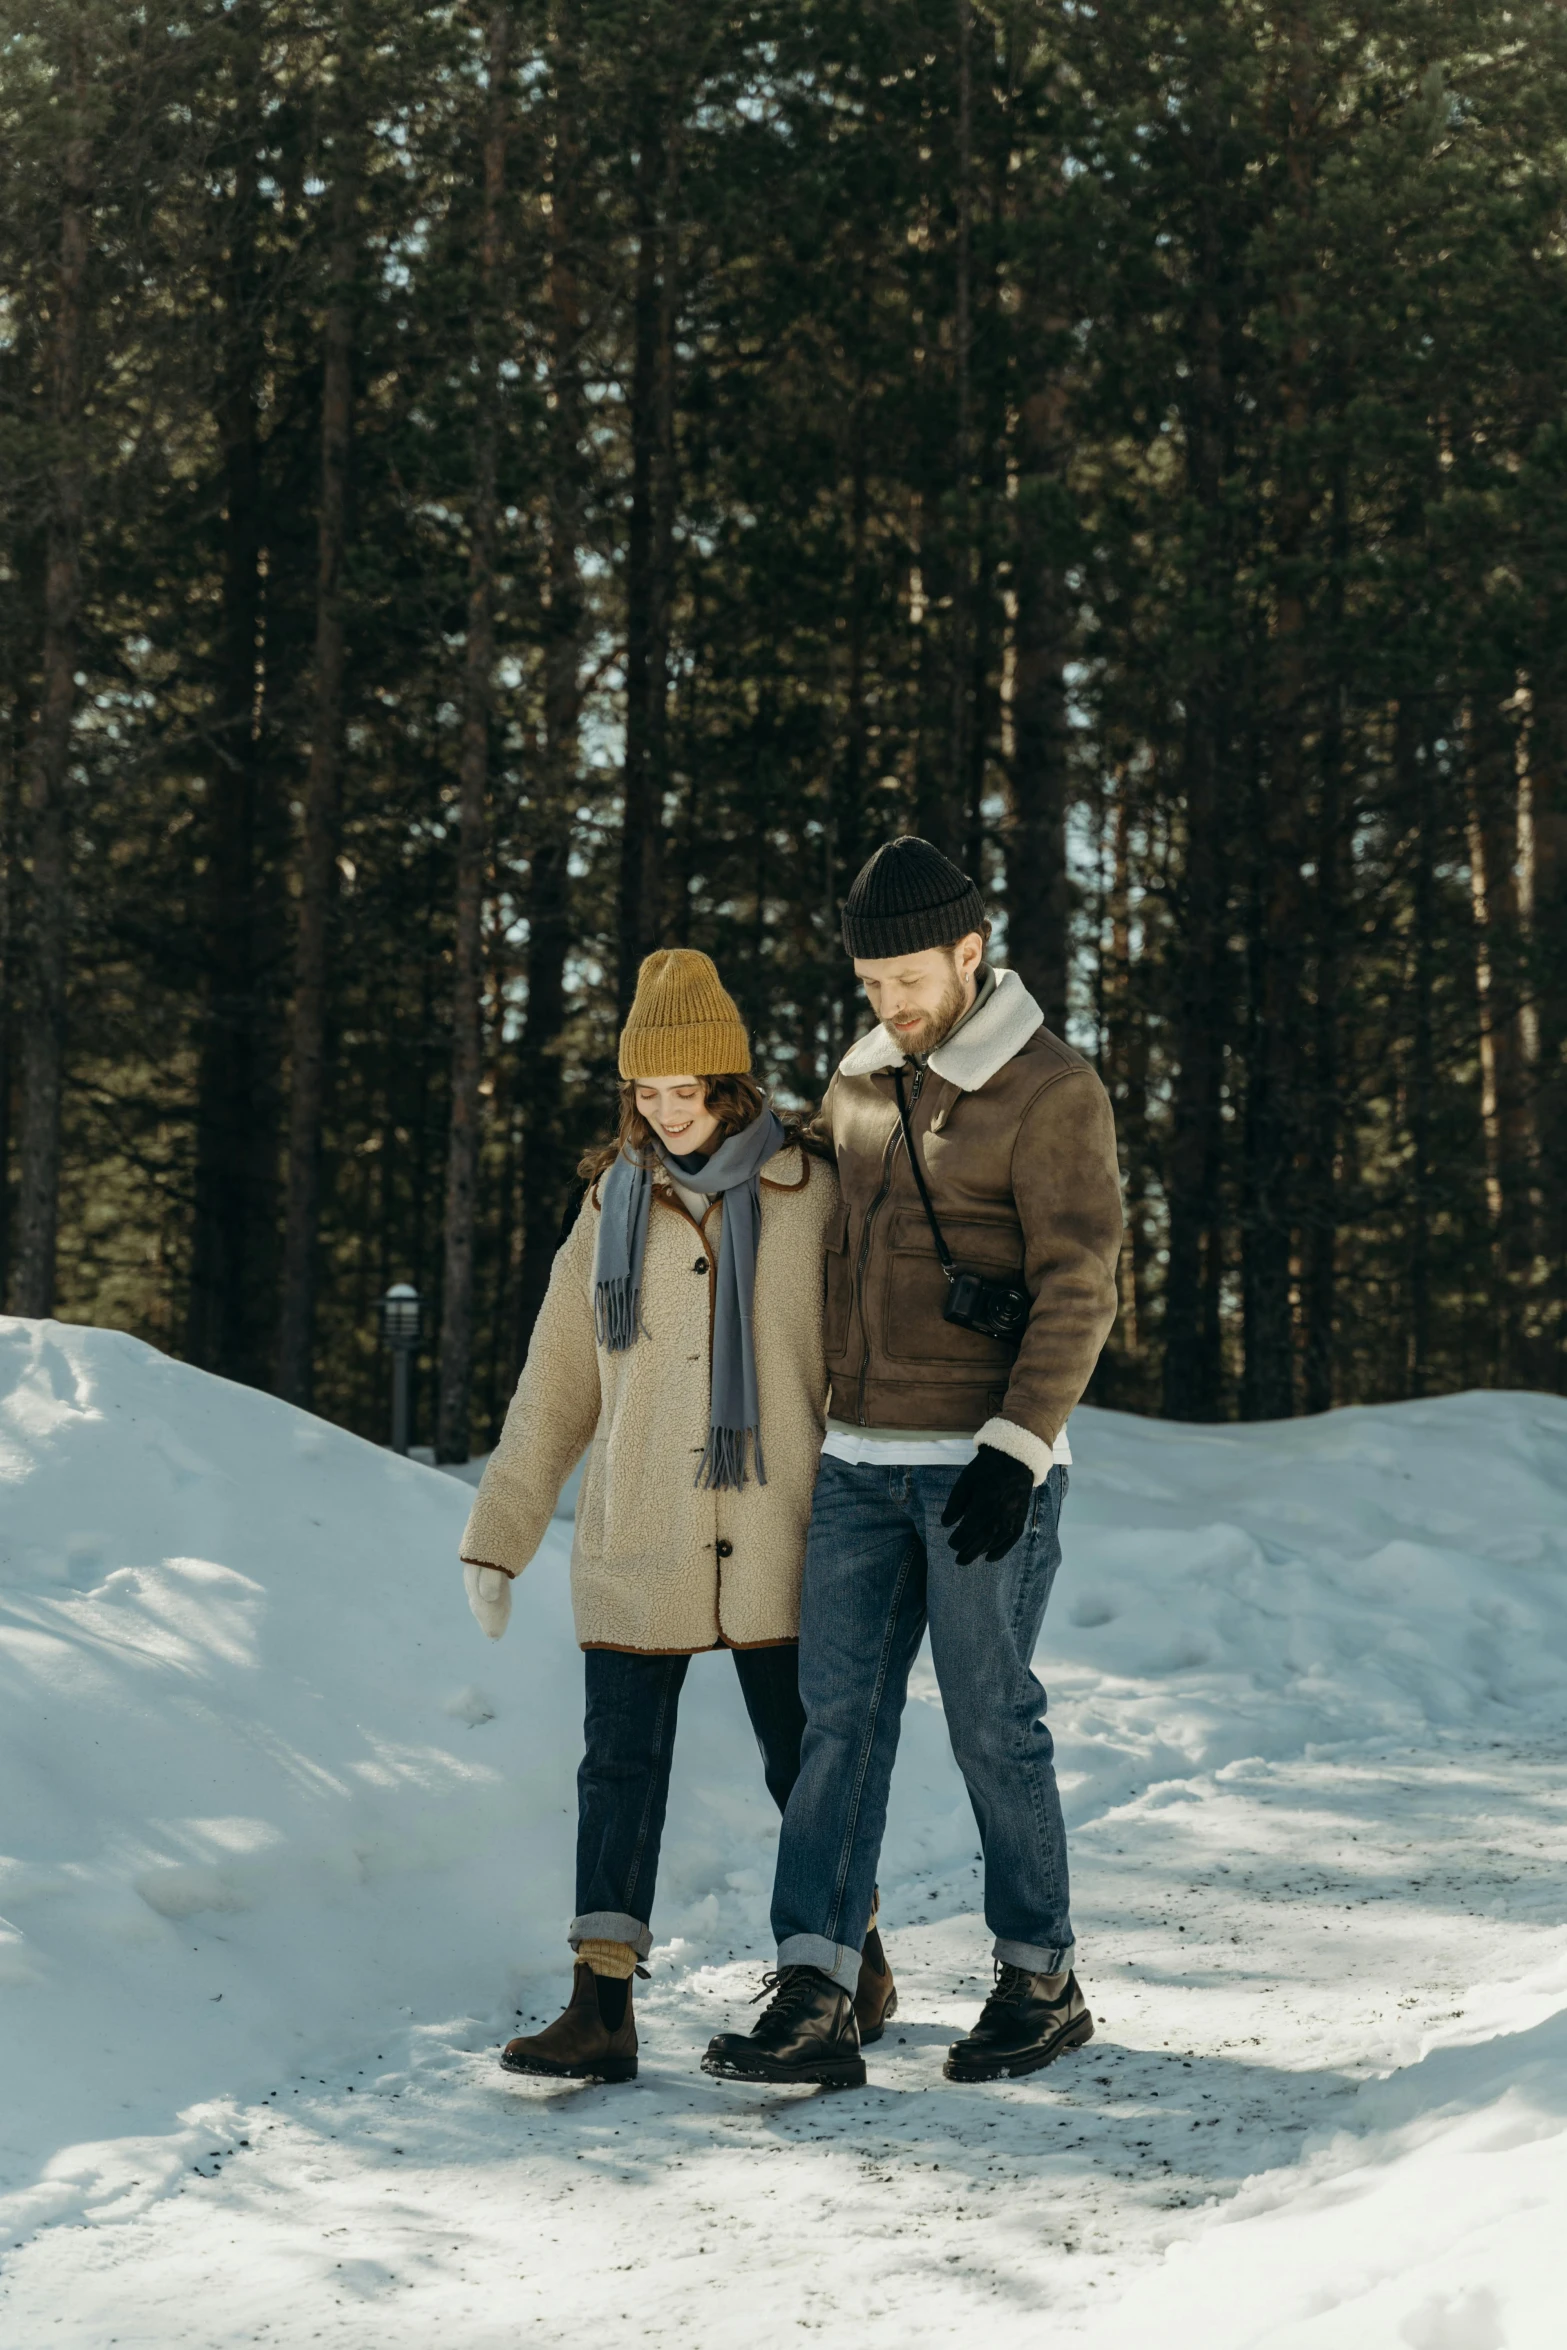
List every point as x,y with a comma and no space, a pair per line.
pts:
1035,1961
611,1925
835,1959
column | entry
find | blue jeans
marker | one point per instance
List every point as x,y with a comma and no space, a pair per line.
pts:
633,1704
878,1568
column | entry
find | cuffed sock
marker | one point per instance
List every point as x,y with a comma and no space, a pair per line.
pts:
617,1960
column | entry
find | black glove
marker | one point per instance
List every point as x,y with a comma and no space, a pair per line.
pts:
988,1506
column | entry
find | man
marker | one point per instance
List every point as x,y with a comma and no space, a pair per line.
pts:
944,1465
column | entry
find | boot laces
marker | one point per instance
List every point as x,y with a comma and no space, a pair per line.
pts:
1010,1989
790,1987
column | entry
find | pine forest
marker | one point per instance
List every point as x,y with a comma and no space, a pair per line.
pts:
485,491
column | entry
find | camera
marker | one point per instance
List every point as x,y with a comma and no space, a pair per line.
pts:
994,1308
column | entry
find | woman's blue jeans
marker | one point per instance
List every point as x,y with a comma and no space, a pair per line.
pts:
633,1704
878,1568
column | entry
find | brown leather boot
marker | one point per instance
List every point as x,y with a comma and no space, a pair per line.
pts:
578,2045
875,1994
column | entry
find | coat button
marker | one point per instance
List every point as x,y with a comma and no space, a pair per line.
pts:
726,1549
700,1266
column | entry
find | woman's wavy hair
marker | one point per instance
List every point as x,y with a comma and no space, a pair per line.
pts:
734,1099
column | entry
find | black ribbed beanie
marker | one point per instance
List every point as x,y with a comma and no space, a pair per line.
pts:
906,897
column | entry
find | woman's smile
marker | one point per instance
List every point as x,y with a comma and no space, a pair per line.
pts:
676,1109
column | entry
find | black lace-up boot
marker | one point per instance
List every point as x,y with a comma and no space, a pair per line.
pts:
806,2033
1028,2021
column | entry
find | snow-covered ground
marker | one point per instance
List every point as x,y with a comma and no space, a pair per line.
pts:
285,1848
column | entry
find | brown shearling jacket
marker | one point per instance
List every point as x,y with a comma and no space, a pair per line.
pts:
1017,1143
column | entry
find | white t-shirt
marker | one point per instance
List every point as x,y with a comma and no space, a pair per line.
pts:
913,1448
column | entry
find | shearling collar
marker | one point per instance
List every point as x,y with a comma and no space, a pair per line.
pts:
971,1056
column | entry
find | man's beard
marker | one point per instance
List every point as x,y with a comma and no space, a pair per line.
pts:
921,1041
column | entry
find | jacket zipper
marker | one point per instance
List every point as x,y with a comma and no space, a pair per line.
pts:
888,1155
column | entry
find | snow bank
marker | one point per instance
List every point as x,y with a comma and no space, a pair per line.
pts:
1374,1573
1391,1576
1432,2222
1377,1576
269,1803
266,1790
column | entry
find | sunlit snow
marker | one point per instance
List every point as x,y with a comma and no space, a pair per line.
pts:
286,1848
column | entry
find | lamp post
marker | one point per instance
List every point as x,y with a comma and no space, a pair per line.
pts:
402,1311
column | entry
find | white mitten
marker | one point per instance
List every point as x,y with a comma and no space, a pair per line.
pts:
489,1596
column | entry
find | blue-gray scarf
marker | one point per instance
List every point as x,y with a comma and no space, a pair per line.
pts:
734,1172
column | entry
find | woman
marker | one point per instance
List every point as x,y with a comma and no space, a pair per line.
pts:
701,1404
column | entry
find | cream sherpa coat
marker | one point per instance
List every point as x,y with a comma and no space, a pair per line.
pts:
661,1565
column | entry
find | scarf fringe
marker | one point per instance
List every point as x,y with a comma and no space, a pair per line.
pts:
616,1315
723,1464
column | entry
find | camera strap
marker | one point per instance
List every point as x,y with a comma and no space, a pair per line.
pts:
942,1250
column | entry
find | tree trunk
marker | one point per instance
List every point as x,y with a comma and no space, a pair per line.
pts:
1319,1239
988,629
462,1159
1417,799
961,617
1191,1368
11,734
545,1172
1271,1132
498,1371
649,548
1190,1378
1127,1039
850,848
323,783
1274,1074
1319,1248
545,1175
1038,908
235,1178
938,811
843,833
1548,972
1505,1057
48,828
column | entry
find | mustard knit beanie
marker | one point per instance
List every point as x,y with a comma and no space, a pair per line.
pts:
684,1022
